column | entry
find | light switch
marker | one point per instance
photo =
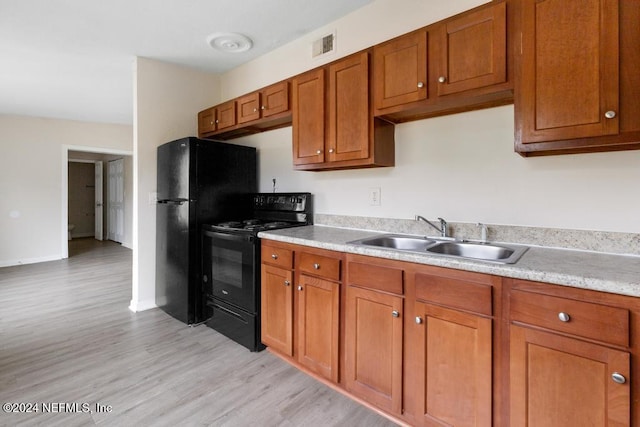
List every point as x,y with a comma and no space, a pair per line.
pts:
374,196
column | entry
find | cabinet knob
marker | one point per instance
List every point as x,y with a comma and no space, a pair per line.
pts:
331,150
442,79
319,152
287,283
316,266
418,320
420,84
618,378
274,256
255,110
217,121
299,288
610,114
263,108
395,313
212,122
564,317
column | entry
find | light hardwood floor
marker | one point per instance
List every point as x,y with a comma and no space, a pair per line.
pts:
66,335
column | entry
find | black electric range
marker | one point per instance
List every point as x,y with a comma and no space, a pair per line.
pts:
231,263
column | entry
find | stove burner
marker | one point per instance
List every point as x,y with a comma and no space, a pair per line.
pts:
249,222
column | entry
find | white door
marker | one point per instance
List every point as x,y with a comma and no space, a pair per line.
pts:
115,200
98,182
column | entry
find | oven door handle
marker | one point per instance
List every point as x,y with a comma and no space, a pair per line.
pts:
229,236
229,312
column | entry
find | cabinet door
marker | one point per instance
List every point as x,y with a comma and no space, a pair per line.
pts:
309,117
400,70
226,115
248,107
454,356
317,325
275,99
472,51
348,137
569,71
562,381
373,347
277,309
207,121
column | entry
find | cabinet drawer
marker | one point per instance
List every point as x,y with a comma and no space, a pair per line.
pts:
588,320
454,293
277,256
318,265
375,277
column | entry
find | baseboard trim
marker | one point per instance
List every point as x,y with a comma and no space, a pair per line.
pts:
137,306
11,263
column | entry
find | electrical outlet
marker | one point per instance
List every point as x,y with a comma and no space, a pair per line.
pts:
374,196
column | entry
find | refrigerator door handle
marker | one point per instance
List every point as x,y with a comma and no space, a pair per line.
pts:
173,201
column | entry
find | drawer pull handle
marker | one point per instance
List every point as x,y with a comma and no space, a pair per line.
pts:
274,256
564,317
299,288
618,378
418,320
287,283
395,313
316,266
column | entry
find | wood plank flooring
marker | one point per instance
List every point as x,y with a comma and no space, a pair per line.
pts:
67,336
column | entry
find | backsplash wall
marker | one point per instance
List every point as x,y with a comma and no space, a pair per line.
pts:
462,168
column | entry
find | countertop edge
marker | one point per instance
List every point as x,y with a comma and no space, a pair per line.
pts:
528,268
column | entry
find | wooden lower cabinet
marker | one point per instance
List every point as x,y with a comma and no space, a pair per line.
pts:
318,325
454,350
373,346
561,381
277,309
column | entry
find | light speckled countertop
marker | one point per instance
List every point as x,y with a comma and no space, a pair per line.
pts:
618,274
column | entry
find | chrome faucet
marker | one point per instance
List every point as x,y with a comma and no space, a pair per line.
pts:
484,230
443,229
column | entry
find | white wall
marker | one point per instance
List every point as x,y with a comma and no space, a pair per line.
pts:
31,181
167,99
461,167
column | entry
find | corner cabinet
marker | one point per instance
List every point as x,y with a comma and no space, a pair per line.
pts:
333,127
588,101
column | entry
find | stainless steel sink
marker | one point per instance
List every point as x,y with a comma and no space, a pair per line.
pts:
483,251
402,243
500,253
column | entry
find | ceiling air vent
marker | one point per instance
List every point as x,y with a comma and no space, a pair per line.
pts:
324,45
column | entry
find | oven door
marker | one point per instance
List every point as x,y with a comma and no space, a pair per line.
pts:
230,268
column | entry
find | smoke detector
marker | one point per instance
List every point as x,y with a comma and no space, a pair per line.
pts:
230,42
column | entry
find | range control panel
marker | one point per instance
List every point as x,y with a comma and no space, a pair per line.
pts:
287,202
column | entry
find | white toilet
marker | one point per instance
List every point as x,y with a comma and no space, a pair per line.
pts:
71,227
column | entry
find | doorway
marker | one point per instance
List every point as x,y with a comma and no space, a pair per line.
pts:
113,224
85,199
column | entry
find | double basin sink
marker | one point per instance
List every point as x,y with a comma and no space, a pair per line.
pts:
500,253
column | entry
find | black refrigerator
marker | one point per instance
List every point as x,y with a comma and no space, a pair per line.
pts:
199,182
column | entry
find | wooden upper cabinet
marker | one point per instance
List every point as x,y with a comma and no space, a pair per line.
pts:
274,99
349,114
333,126
309,117
400,71
248,107
471,51
577,90
226,115
264,103
207,121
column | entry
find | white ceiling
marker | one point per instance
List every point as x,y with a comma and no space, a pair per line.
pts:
72,59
